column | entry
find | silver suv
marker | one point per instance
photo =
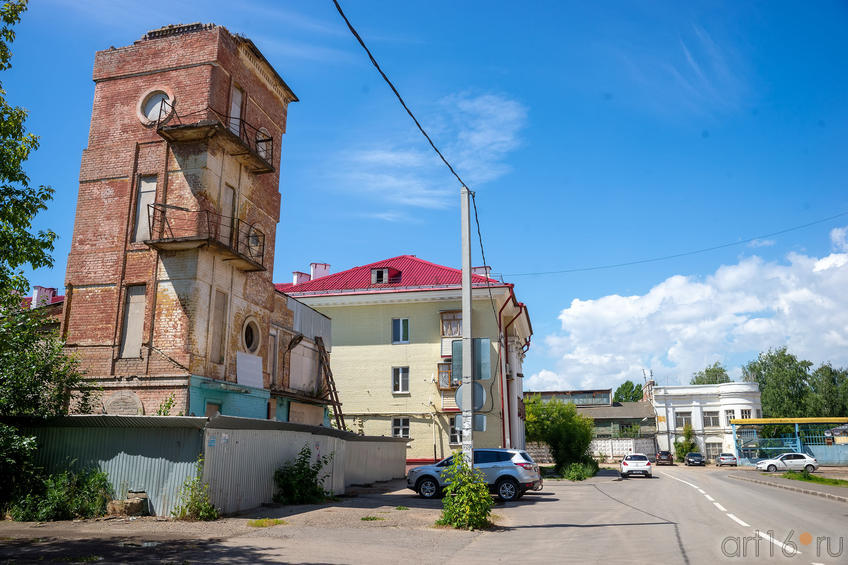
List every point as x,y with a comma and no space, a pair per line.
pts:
509,472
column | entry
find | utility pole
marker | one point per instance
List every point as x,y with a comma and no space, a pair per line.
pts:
467,344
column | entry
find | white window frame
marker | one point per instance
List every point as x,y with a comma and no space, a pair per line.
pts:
382,274
714,416
682,415
729,414
455,431
399,371
745,414
400,339
400,427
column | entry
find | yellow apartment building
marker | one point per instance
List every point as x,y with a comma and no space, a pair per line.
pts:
393,327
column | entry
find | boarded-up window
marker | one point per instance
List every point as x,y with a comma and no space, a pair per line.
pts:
235,110
219,324
133,322
272,358
146,197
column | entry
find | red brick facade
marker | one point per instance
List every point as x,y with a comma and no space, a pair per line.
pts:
197,66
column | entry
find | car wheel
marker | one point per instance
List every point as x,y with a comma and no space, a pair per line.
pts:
771,469
507,490
428,487
809,468
623,475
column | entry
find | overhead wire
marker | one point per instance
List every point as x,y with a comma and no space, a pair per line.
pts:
429,140
677,255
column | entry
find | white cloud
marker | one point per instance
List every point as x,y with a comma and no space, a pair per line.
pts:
475,133
761,243
839,239
685,323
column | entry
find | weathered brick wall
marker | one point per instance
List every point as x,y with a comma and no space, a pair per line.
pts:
197,69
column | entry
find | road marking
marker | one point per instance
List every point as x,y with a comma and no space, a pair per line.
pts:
719,506
738,521
786,548
710,498
701,491
681,480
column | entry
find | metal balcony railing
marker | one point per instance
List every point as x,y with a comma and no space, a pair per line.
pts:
174,227
257,145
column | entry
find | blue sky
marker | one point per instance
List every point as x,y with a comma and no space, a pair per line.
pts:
592,134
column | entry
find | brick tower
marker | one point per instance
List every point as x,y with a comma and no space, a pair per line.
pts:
169,280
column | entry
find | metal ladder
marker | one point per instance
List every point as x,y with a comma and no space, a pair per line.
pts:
332,393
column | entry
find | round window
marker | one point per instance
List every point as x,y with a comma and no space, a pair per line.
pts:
250,334
155,106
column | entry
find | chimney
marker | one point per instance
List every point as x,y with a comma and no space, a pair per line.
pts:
319,270
41,296
482,271
299,277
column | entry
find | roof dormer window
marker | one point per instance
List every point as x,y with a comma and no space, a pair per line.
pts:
379,276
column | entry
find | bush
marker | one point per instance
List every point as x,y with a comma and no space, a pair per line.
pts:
467,503
686,445
64,496
18,473
582,470
194,501
558,424
299,481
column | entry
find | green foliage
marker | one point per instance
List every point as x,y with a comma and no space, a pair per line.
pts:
18,473
371,518
64,496
810,478
266,522
195,503
401,507
467,503
628,392
19,202
685,445
558,424
300,481
581,471
166,405
711,375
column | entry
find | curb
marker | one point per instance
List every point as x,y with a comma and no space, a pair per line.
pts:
792,488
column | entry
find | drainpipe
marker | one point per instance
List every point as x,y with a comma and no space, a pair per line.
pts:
504,386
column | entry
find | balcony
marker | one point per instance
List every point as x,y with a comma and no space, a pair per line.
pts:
173,228
252,147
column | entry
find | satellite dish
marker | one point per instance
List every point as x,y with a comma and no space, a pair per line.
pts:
478,397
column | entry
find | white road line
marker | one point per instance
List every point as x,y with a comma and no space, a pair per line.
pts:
701,491
681,480
786,548
738,521
710,498
719,506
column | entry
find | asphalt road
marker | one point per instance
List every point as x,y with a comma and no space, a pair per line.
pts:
682,515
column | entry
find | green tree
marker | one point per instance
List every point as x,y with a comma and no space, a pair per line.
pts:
784,382
19,201
828,394
685,445
558,424
628,392
712,375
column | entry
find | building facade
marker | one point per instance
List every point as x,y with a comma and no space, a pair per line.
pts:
611,419
169,288
394,327
707,408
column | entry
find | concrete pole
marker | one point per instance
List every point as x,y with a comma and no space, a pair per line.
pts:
467,344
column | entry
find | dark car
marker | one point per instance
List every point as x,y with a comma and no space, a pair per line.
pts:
694,458
665,458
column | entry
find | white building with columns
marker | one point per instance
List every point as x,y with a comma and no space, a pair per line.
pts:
707,408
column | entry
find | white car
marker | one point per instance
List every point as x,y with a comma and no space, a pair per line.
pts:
789,462
635,464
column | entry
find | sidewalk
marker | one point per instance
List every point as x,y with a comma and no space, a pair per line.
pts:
826,491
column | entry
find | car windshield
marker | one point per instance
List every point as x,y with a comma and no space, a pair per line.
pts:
445,462
664,453
636,458
695,455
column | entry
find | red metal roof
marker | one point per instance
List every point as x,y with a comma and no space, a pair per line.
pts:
415,274
25,303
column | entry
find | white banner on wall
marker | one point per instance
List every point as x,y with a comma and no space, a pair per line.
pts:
249,370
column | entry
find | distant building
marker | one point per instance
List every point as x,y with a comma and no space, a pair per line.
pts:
394,325
707,408
169,277
612,419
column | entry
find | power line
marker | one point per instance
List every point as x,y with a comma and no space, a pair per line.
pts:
429,140
677,255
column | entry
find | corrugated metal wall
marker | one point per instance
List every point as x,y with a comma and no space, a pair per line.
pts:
154,460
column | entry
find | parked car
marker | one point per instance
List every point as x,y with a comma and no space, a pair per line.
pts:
726,459
789,462
694,458
635,464
665,458
509,473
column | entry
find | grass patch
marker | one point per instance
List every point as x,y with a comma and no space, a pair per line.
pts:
266,522
85,559
810,478
401,507
371,518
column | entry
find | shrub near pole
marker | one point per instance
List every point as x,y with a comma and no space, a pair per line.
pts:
467,503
